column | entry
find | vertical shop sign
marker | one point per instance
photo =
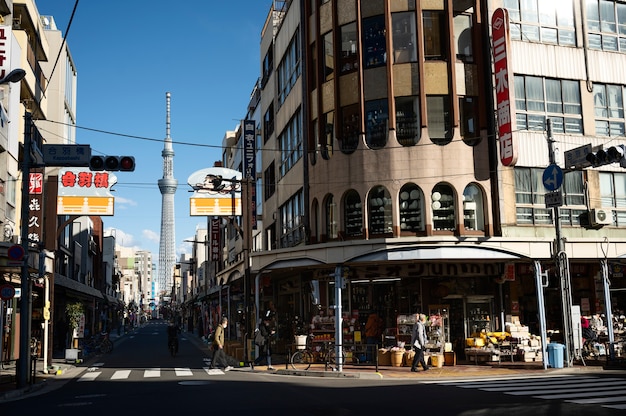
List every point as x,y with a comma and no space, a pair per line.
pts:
35,207
504,86
5,50
249,166
215,239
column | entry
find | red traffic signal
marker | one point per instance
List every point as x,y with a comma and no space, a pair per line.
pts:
112,163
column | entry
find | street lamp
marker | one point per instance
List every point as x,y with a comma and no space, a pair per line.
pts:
15,76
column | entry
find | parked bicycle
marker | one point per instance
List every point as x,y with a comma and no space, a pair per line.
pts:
99,344
325,353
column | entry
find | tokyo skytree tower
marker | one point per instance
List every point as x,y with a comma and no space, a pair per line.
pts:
167,186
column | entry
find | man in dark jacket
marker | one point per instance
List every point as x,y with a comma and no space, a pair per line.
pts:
265,345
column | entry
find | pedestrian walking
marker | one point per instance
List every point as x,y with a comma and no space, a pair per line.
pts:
418,340
219,356
263,340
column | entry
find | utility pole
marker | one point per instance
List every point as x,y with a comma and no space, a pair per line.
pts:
247,247
562,267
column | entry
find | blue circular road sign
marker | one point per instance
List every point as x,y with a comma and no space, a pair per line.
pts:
552,177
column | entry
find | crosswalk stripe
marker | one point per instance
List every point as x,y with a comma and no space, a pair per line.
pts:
153,372
90,376
182,372
120,375
213,371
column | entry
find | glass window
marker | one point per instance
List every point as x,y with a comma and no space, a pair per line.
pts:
411,203
606,21
331,218
444,208
463,37
350,128
376,123
380,214
290,141
407,120
542,21
473,211
269,177
327,134
439,114
268,123
468,115
374,42
288,70
538,98
404,37
609,109
353,214
292,226
434,34
349,43
613,195
329,56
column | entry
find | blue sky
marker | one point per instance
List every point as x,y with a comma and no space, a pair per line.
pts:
128,54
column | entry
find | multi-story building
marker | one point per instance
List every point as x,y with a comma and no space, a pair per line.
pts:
386,156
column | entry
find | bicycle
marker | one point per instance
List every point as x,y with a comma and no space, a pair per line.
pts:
325,353
98,343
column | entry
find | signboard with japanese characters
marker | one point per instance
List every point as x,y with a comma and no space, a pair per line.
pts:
217,192
504,87
215,239
35,207
85,192
249,163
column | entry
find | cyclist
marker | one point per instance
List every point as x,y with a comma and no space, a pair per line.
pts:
172,336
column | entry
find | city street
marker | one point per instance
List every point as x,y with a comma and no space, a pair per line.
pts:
140,377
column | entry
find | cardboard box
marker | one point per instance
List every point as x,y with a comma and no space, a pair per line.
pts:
449,358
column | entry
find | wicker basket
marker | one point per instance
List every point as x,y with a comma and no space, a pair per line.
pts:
408,358
384,357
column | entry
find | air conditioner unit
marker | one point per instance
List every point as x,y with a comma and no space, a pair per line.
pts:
601,216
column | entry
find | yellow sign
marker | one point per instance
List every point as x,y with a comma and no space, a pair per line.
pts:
85,205
208,206
46,314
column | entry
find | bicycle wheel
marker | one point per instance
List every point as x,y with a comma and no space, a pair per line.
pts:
301,360
332,356
106,346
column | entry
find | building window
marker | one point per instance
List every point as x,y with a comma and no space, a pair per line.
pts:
330,209
290,142
411,207
350,128
269,177
268,65
407,120
606,21
608,101
530,203
538,98
463,37
376,119
288,70
613,195
349,61
380,214
291,214
374,42
444,208
542,21
327,134
329,56
404,37
473,210
435,37
439,124
353,214
468,117
268,123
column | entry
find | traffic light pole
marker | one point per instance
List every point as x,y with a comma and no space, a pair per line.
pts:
562,267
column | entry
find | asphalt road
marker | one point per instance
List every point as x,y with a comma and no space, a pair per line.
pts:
141,378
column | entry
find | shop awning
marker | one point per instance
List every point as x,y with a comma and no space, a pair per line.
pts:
68,283
438,253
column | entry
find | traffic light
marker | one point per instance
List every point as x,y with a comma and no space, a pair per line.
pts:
605,157
112,163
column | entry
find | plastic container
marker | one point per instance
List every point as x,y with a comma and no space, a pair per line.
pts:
301,342
555,355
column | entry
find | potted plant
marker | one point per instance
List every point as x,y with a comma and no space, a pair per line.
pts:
74,312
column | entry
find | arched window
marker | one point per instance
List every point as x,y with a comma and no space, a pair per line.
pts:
473,210
331,218
411,202
379,215
315,221
443,206
353,214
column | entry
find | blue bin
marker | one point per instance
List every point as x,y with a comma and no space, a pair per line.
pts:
555,355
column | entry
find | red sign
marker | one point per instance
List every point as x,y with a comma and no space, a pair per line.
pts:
35,207
504,86
215,239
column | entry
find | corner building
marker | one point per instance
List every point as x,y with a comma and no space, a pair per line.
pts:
381,155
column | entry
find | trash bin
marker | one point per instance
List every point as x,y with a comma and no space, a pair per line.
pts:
555,355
